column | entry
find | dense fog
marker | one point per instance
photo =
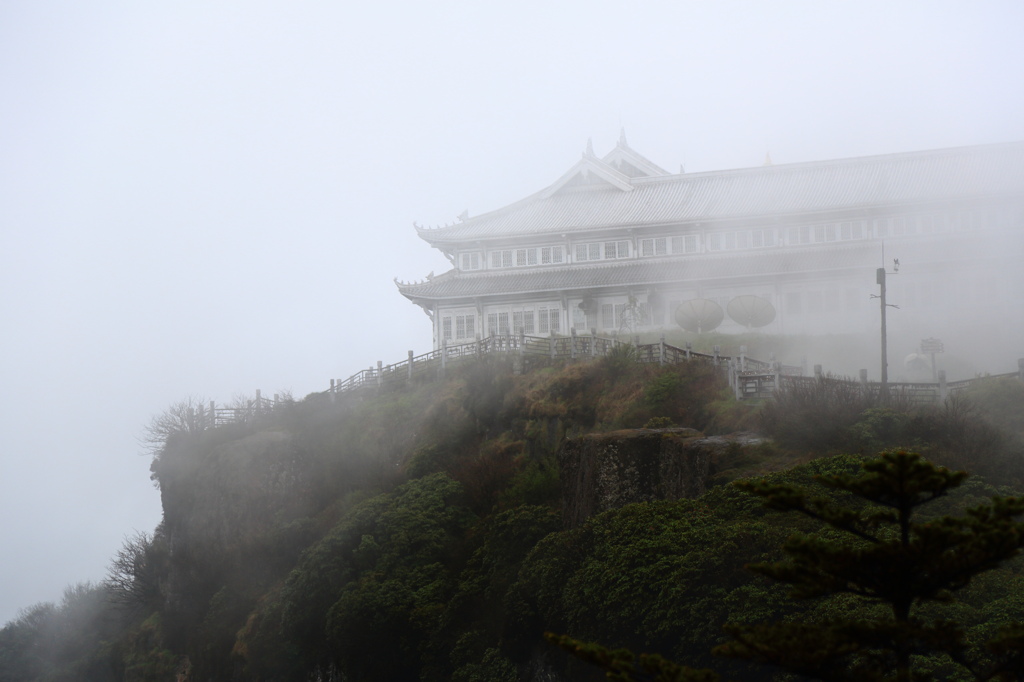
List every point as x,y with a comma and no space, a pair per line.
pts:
206,200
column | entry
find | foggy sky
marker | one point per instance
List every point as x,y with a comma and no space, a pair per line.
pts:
207,199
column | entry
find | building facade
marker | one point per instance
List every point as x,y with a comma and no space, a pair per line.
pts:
618,244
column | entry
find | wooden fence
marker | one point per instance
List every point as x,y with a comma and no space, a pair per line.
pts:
749,378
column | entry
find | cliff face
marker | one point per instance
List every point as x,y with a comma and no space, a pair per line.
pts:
605,471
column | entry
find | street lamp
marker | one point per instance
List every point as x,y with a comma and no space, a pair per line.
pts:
880,275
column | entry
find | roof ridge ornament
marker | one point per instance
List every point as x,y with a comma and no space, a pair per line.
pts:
768,159
590,148
622,137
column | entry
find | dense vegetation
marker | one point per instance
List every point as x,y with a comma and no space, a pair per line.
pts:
415,533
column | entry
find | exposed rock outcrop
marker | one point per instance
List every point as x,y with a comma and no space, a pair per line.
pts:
605,471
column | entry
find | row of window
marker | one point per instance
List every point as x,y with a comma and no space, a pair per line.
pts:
508,258
543,320
849,230
602,250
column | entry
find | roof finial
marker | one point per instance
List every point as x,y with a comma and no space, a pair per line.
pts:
622,137
767,159
590,147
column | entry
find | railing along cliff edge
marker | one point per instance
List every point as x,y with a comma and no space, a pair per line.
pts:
748,377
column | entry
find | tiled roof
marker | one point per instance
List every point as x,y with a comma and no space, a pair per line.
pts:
917,177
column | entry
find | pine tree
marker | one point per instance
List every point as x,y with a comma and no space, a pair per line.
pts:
877,549
886,556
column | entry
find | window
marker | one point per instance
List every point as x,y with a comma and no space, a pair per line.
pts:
904,224
492,323
556,319
762,237
552,254
715,242
607,316
654,247
825,233
465,326
589,252
616,249
851,230
684,244
619,308
521,257
446,327
503,323
800,234
471,261
523,320
531,257
501,259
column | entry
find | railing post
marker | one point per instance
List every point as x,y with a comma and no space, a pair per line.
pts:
551,345
743,358
942,385
522,341
803,365
734,369
572,342
661,350
408,370
689,347
380,374
777,371
817,372
259,402
864,381
716,356
593,342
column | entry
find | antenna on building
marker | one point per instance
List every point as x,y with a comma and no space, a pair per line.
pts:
590,148
622,135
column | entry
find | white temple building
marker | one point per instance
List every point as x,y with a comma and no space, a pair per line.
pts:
618,243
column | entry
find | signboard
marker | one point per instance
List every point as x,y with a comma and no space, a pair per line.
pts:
931,346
